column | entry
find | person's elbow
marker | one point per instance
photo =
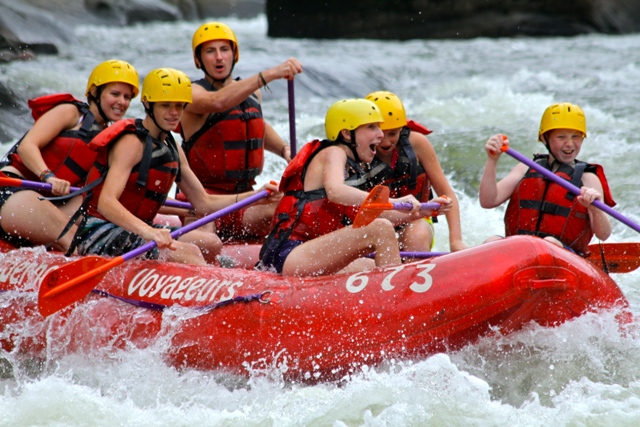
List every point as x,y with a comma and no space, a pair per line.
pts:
487,203
604,234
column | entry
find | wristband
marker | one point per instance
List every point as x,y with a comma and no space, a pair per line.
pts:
46,174
264,82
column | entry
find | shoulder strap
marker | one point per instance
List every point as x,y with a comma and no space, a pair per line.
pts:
405,146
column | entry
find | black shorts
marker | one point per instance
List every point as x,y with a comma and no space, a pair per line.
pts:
101,237
5,193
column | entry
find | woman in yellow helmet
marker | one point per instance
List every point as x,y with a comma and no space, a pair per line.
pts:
138,162
406,162
55,151
311,236
540,207
224,131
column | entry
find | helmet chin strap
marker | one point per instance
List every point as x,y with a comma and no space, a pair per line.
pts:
96,99
546,143
551,155
149,111
353,145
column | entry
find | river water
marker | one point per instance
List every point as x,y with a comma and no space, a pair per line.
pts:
583,373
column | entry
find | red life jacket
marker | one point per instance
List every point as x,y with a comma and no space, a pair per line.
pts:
227,153
68,155
405,175
417,127
305,215
150,181
543,208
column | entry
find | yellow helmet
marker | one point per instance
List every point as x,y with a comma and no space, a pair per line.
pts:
349,114
215,31
166,85
111,71
391,107
563,116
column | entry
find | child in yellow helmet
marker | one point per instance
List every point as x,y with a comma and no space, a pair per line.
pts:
310,234
540,207
407,162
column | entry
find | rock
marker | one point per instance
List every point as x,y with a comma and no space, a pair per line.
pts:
243,9
31,27
426,19
127,12
14,117
24,26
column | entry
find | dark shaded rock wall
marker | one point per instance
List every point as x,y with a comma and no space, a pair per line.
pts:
32,27
416,19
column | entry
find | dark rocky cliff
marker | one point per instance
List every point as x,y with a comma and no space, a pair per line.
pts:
417,19
32,27
41,26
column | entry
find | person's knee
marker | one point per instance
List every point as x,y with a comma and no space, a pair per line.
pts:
493,239
419,230
188,253
382,228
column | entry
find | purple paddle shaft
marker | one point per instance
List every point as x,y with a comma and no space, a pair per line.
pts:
415,254
202,221
568,186
292,117
406,206
44,186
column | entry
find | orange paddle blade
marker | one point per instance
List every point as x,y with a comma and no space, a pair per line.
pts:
619,257
70,283
371,208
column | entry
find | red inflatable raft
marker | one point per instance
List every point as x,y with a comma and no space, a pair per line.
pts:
312,329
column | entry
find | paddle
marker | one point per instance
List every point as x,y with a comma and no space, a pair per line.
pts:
412,254
6,181
73,281
568,186
378,201
292,118
618,257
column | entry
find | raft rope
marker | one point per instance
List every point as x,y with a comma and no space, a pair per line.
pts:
605,267
262,297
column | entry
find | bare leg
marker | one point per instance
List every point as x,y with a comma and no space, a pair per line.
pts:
334,251
257,219
71,206
209,243
187,253
38,221
360,264
416,236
